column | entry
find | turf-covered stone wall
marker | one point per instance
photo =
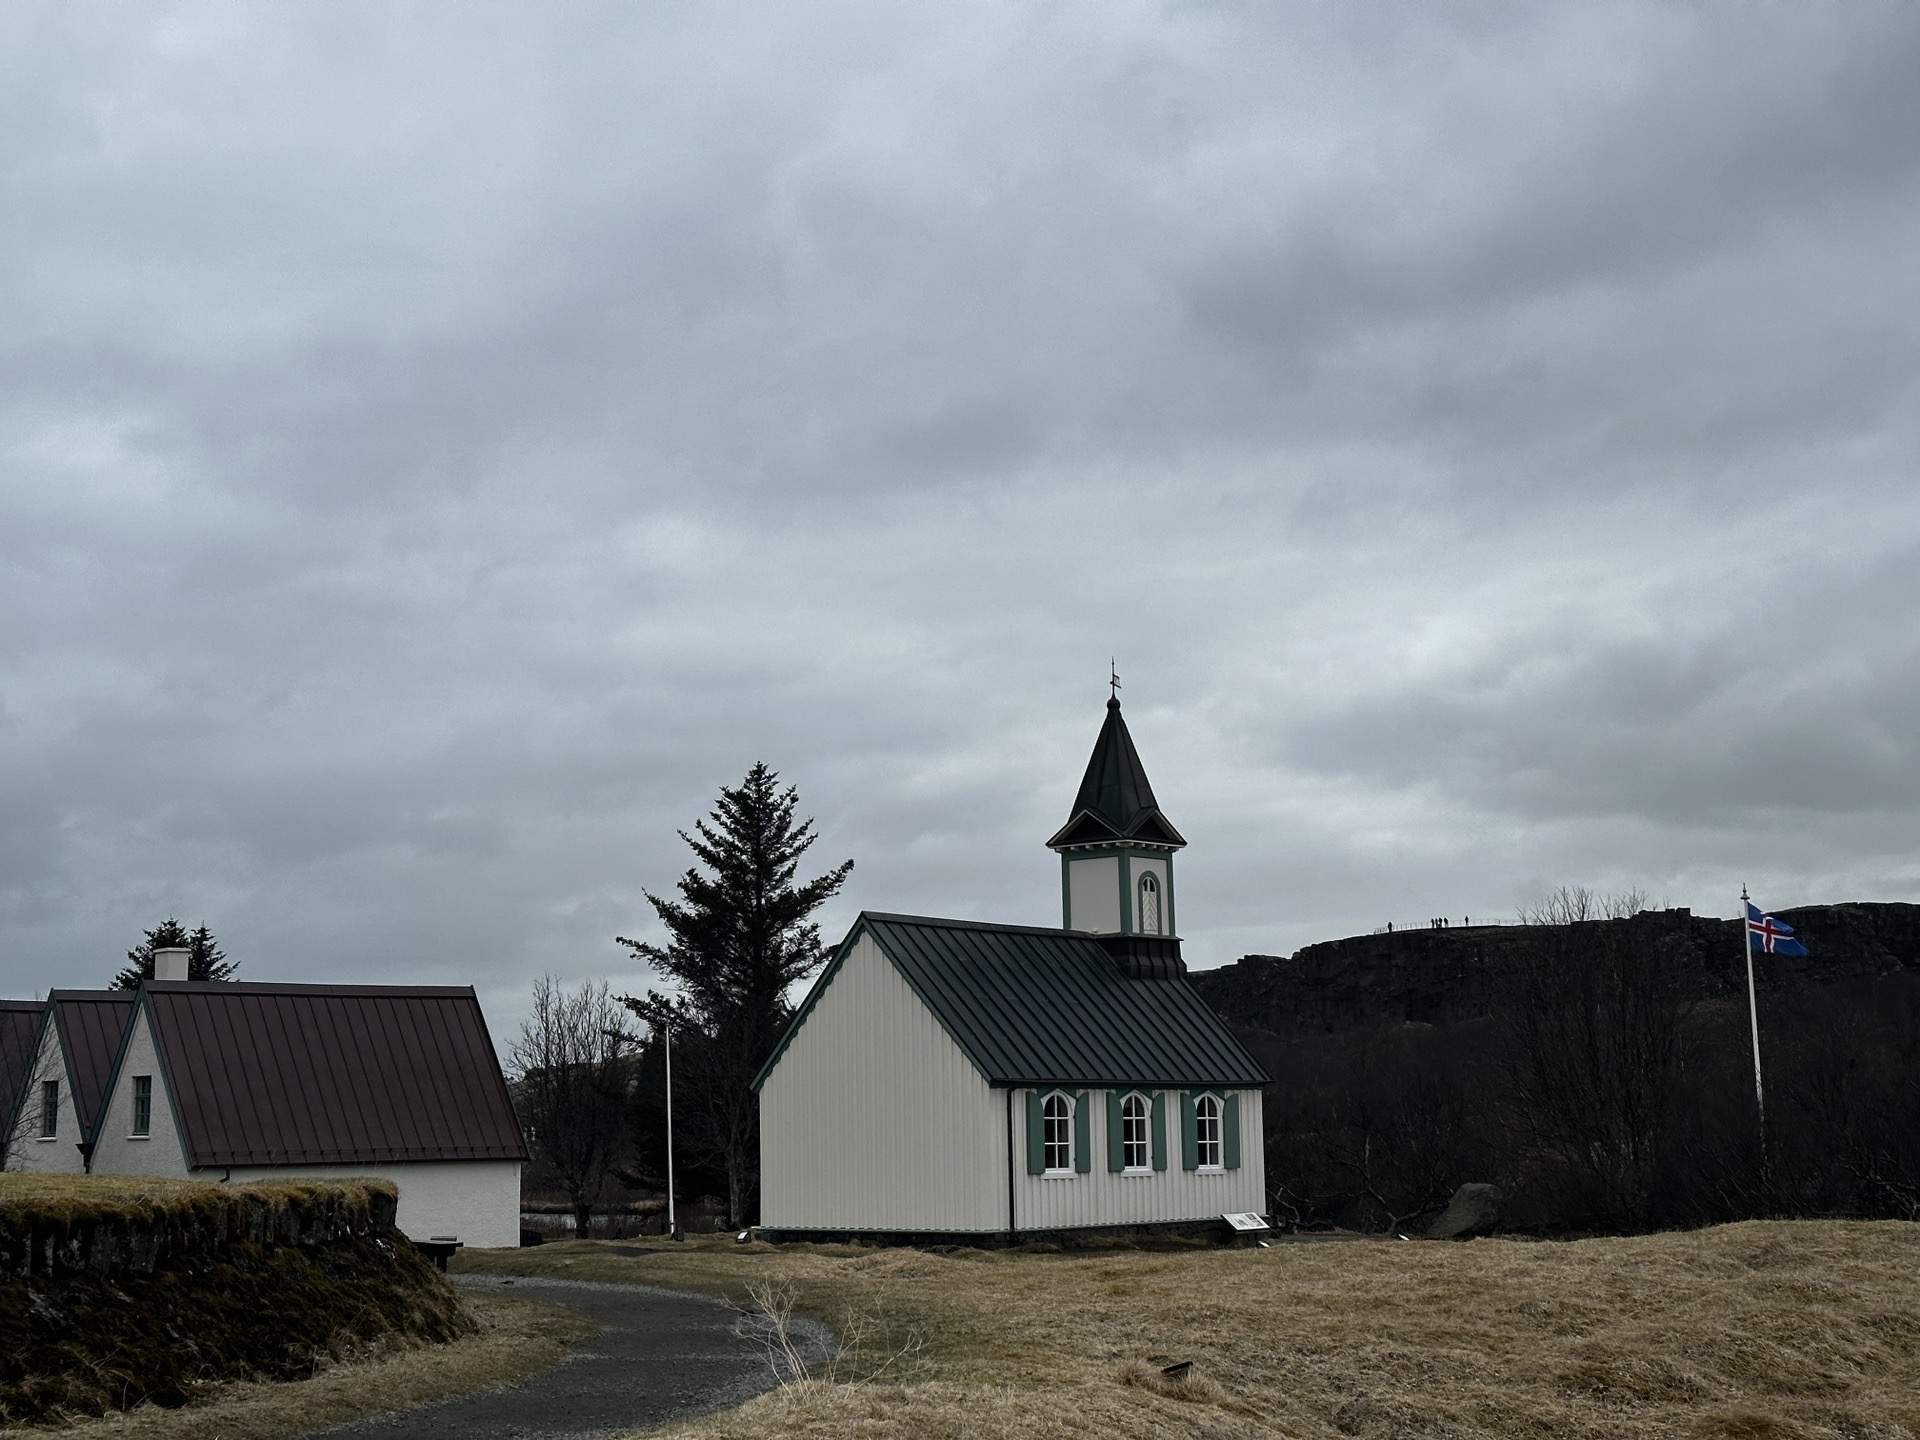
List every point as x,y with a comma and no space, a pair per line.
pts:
111,1295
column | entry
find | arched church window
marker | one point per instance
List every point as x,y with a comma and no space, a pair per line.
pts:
1134,1153
1057,1132
1206,1131
1149,904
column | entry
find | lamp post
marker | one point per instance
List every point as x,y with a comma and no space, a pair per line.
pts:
673,1222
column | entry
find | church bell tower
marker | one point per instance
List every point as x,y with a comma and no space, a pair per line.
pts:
1116,857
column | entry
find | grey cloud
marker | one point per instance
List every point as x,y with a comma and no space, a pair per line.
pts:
438,450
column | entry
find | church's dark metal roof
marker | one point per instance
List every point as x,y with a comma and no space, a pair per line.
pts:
19,1033
1030,1006
1115,801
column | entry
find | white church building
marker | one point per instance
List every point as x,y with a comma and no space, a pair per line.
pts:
998,1082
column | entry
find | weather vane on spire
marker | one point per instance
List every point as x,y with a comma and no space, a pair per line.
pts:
1114,675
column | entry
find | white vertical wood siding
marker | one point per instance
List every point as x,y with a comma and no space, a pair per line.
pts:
1093,894
874,1119
61,1154
1104,1197
115,1150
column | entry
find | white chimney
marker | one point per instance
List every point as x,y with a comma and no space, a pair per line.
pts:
170,963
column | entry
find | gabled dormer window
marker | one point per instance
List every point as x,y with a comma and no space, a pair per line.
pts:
1056,1118
1149,904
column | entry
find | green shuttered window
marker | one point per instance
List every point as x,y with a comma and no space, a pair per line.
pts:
1159,1128
1115,1141
1209,1131
1082,1133
1036,1135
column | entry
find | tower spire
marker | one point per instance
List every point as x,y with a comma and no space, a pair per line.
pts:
1116,849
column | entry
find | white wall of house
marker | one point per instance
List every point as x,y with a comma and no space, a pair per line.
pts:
874,1119
116,1149
61,1154
1104,1197
1093,893
476,1200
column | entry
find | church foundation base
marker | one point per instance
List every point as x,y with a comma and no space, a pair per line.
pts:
1182,1233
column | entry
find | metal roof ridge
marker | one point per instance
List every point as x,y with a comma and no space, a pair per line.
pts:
293,987
943,923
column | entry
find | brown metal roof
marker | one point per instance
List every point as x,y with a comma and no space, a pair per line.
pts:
332,1074
91,1023
19,1029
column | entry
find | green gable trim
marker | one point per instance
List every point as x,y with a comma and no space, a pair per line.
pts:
806,1005
826,978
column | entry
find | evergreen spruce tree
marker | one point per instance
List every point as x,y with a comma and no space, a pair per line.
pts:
205,959
739,937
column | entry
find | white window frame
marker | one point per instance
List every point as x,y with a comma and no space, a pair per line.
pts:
1201,1106
1145,1167
1048,1145
1149,884
140,1127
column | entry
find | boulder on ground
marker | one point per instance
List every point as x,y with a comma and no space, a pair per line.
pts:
1474,1210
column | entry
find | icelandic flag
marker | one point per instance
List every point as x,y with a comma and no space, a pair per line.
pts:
1774,936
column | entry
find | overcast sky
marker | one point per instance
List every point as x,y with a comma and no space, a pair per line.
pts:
441,445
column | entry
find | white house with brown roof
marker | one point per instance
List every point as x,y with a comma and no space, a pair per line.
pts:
59,1092
235,1081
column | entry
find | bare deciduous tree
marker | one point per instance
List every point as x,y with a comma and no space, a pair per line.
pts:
571,1077
1571,904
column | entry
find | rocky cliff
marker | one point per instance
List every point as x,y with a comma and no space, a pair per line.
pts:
1440,976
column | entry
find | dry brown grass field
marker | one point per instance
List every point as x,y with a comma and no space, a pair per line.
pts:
1767,1329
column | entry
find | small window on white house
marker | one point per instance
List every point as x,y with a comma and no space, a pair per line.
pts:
1206,1132
1057,1131
49,1109
1149,904
1135,1153
143,1105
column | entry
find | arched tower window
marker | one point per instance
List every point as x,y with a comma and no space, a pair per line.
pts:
1150,904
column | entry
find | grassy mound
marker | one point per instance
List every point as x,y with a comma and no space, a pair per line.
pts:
119,1291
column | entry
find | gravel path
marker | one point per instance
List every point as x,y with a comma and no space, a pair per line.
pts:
659,1355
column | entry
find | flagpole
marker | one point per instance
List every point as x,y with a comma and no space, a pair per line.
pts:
1753,1013
673,1222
